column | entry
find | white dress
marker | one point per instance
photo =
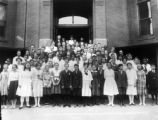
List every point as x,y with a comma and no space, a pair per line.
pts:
86,90
131,79
4,82
25,82
37,83
110,86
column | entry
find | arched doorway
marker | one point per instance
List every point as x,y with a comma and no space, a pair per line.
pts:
73,18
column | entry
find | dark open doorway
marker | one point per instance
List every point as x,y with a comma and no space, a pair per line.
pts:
76,32
81,9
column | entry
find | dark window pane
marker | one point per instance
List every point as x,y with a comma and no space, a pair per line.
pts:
145,26
143,10
2,31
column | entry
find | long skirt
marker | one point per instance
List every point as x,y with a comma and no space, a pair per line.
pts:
12,90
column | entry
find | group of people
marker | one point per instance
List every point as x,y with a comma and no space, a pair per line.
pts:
72,69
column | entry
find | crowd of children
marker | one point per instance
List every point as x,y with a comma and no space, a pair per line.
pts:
79,70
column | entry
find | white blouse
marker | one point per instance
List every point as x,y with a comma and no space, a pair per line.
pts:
13,76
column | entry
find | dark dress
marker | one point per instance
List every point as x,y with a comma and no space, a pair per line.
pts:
77,82
95,84
66,82
102,80
152,82
121,80
12,90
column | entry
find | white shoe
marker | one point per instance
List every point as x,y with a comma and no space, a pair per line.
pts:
140,104
112,105
2,106
35,106
39,105
5,106
109,104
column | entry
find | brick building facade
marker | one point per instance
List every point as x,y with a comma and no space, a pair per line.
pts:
131,24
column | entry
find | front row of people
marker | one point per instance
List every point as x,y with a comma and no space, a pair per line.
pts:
33,81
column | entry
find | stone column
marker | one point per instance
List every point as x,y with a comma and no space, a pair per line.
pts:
99,22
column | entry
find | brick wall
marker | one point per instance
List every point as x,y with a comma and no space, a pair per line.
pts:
117,23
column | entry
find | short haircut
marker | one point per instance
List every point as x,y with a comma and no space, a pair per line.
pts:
76,65
120,65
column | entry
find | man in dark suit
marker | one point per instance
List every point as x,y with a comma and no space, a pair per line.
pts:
77,83
101,79
66,84
121,80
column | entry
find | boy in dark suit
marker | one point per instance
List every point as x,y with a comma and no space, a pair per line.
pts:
101,79
77,83
121,80
66,84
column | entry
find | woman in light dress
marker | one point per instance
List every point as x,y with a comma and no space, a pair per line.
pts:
4,75
87,78
110,86
37,82
25,85
131,80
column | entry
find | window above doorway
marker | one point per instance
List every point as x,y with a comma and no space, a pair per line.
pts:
73,20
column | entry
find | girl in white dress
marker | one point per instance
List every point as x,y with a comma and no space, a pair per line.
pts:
110,86
25,85
131,80
13,80
4,75
37,82
86,83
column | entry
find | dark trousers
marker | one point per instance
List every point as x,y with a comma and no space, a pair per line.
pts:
66,94
122,93
76,95
3,99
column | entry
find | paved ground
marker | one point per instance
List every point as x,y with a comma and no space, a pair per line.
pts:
100,112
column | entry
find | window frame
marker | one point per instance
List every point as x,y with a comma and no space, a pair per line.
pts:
4,22
73,21
142,19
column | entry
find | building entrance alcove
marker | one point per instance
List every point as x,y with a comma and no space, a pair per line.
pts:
73,18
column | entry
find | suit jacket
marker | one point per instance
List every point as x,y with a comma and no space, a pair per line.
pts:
77,79
66,78
152,80
121,79
101,78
